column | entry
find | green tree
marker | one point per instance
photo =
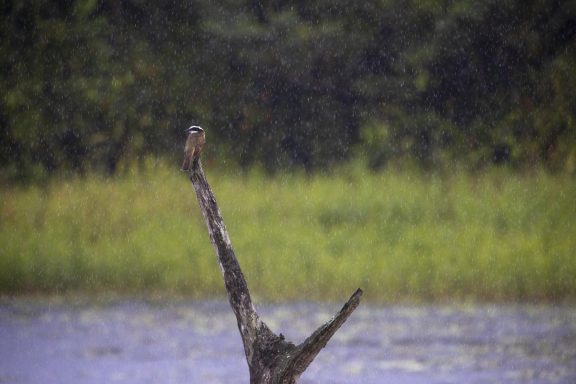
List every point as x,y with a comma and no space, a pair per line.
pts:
93,84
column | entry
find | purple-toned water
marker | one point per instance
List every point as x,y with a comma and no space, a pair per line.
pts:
135,341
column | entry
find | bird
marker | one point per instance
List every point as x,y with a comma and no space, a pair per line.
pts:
193,148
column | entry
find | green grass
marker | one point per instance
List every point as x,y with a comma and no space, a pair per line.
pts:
400,236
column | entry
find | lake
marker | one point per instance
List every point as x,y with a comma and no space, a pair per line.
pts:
140,341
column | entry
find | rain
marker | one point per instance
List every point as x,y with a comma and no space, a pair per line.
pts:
423,151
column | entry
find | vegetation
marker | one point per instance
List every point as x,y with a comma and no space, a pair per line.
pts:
319,104
90,84
398,235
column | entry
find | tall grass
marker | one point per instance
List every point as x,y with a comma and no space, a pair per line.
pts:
399,236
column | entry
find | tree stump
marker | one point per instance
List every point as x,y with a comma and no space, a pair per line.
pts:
271,358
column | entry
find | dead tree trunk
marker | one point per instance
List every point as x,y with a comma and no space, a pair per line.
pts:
271,358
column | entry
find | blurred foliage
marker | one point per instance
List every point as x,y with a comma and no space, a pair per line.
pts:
90,84
492,236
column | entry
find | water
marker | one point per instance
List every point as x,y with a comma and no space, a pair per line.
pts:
137,341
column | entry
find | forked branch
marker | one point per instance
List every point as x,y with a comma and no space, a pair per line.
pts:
271,359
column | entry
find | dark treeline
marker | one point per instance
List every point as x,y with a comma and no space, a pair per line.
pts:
92,84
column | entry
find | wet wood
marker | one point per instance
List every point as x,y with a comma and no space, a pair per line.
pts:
271,358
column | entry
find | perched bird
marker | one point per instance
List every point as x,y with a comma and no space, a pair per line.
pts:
193,147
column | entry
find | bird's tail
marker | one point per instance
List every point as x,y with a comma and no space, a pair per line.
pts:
186,163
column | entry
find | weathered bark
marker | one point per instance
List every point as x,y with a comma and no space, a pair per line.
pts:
271,359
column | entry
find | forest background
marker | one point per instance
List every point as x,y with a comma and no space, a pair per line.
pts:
423,149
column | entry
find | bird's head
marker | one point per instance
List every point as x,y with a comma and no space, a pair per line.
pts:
195,129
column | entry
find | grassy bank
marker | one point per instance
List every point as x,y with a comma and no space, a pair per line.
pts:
399,236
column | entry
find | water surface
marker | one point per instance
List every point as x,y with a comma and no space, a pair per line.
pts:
137,341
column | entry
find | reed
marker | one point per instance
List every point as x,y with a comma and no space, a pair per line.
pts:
401,236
